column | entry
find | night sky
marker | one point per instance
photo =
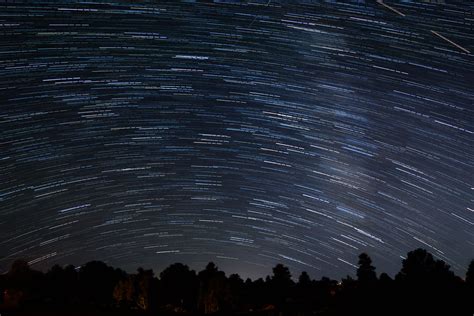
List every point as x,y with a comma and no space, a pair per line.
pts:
247,133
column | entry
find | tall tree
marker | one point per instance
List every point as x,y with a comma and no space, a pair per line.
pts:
281,275
212,289
366,271
145,285
280,285
235,293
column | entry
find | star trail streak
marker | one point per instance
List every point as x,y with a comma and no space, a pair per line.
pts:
247,133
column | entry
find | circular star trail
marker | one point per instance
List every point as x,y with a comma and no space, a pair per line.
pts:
246,133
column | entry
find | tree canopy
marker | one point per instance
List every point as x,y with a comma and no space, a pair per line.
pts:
424,285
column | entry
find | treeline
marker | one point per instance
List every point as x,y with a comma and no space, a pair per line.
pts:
424,286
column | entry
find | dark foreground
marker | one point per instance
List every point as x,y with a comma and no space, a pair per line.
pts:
424,286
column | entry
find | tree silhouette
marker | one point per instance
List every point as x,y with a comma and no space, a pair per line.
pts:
361,297
23,283
385,281
280,285
212,289
304,280
303,292
146,289
417,266
420,266
281,274
424,286
234,298
366,272
61,284
98,293
424,281
178,287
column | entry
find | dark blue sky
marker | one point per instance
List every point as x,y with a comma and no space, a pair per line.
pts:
247,133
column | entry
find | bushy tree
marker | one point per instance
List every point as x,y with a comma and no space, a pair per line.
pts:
97,281
62,285
420,266
178,287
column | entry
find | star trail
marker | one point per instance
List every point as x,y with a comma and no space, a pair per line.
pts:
247,133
